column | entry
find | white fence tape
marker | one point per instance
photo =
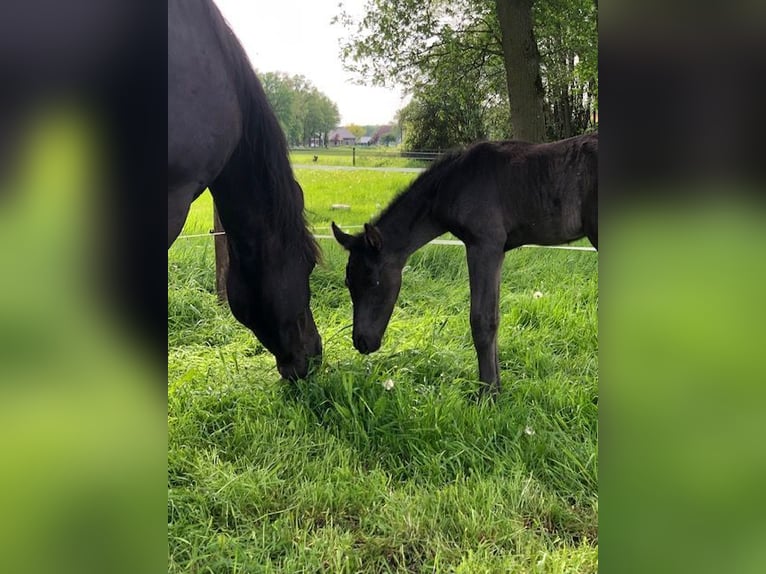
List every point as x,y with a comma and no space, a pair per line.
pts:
434,242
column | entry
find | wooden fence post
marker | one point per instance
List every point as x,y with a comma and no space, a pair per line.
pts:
221,257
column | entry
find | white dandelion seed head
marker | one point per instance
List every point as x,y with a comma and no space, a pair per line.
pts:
388,384
537,294
529,431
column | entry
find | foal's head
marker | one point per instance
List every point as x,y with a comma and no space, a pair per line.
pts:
373,278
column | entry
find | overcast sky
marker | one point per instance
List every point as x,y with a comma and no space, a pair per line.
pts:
295,36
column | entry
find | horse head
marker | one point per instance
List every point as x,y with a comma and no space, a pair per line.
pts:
275,304
373,278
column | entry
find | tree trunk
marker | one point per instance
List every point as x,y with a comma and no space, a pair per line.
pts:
522,69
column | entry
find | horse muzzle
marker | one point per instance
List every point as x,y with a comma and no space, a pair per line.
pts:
366,345
293,371
295,368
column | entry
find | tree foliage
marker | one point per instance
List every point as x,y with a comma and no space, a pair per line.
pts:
567,38
358,131
303,111
449,56
459,105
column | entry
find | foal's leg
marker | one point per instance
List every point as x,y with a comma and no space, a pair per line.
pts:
484,265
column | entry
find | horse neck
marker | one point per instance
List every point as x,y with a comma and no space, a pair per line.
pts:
261,208
408,224
258,199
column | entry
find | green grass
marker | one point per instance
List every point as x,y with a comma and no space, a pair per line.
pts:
338,474
365,157
365,192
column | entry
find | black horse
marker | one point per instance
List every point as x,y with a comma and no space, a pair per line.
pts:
106,56
222,134
494,196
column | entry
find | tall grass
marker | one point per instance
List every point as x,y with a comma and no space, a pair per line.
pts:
344,472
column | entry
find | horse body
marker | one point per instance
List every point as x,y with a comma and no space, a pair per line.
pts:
528,193
222,134
494,196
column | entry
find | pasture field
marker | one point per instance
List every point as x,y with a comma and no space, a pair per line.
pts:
343,473
365,192
365,157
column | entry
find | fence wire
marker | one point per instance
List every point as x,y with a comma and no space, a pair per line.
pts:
433,242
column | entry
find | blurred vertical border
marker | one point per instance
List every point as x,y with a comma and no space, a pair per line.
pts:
83,434
682,287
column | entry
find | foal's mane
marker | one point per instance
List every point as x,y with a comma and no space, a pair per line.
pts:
262,149
474,161
419,193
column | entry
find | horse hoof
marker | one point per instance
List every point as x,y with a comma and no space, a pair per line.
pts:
488,391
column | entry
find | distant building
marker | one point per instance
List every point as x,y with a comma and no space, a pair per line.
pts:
365,140
340,136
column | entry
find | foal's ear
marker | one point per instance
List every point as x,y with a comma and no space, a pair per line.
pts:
372,237
343,238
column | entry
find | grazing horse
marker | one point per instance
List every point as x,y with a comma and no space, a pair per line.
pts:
494,196
222,134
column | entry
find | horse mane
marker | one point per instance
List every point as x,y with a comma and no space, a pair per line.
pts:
465,164
262,149
426,185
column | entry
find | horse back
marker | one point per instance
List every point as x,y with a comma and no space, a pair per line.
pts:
543,191
204,113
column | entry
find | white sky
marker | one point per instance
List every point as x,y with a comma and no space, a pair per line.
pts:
295,36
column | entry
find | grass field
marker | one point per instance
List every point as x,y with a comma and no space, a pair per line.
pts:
365,157
339,474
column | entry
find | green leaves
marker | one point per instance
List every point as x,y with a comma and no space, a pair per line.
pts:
567,35
303,111
449,56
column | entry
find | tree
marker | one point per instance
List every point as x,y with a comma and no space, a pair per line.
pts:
358,131
282,95
303,111
321,116
463,101
457,107
542,52
388,139
522,69
567,32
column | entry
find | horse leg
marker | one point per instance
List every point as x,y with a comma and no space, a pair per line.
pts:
484,266
590,217
179,201
592,235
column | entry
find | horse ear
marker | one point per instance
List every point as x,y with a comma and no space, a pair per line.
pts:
372,237
343,238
